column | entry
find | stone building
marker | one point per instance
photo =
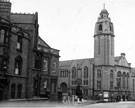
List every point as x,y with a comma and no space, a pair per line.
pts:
28,65
132,83
108,77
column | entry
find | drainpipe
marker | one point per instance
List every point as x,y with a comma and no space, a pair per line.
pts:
93,80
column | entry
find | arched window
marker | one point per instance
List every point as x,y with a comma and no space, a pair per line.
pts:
119,74
18,65
73,72
19,90
85,72
13,88
100,27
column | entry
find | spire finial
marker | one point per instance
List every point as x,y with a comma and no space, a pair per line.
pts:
104,6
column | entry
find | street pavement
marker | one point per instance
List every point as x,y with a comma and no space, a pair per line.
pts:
43,103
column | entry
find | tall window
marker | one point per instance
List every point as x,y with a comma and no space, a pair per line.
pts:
45,65
99,73
18,65
85,72
111,74
100,27
85,82
54,67
111,84
13,88
124,74
19,90
127,79
85,92
119,74
98,84
19,43
38,61
73,72
2,34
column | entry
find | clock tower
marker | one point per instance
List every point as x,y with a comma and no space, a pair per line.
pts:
104,40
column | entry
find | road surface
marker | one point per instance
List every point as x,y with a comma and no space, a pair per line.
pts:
126,104
45,104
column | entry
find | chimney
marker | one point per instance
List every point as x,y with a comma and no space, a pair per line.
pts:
123,55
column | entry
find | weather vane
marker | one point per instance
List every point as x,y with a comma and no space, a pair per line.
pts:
104,6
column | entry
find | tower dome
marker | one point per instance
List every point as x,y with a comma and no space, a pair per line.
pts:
104,11
5,9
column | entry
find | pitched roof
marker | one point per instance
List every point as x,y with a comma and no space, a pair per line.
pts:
67,63
42,43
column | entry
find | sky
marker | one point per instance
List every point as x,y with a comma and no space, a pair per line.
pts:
68,25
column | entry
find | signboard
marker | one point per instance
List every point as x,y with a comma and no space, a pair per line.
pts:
106,94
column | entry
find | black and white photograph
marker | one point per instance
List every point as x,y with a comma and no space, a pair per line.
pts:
67,53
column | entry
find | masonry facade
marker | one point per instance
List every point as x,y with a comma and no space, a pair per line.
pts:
109,77
28,65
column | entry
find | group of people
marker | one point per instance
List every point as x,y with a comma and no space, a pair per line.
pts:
78,96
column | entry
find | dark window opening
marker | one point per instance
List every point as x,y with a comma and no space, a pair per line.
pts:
38,61
13,88
19,90
100,27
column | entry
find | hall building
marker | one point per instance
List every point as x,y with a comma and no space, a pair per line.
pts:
28,65
104,76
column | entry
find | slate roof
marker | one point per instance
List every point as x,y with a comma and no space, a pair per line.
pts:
67,63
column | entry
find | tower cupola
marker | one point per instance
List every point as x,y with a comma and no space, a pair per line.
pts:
104,13
5,9
104,24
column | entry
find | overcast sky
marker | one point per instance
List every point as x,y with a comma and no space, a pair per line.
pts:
68,25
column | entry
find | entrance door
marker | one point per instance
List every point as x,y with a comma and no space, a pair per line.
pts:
1,94
53,87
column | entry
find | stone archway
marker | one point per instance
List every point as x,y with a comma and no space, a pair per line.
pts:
63,87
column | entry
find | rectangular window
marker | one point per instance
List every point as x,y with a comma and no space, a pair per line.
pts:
38,61
54,67
19,43
111,84
85,91
45,65
85,82
98,84
98,73
2,34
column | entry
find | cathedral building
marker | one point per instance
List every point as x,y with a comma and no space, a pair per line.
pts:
28,65
104,76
